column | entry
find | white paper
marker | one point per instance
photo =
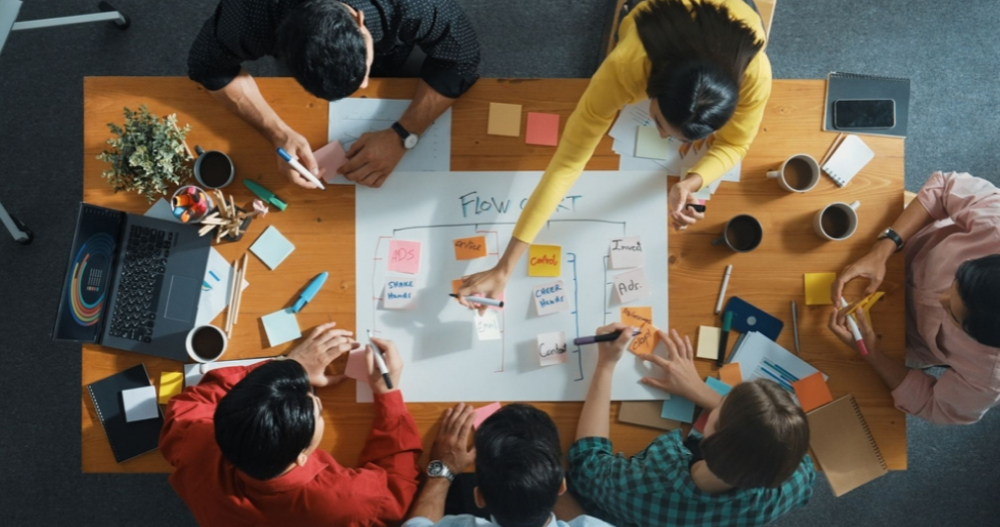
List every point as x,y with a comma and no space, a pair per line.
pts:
399,293
487,326
550,298
631,286
194,372
629,119
552,348
140,404
754,349
626,252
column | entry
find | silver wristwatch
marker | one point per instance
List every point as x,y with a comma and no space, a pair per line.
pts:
437,469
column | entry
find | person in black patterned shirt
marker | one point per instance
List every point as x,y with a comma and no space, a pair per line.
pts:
331,48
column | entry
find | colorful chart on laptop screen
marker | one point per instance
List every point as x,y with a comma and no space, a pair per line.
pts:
90,278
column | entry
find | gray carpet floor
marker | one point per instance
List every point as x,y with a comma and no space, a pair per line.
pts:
948,47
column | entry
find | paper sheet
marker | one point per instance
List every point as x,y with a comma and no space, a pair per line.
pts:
357,365
649,144
678,409
762,358
487,326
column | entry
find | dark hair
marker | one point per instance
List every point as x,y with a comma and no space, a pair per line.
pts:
979,287
698,55
321,44
266,420
760,439
519,465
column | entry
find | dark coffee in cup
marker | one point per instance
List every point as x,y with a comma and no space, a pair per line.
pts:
799,173
213,169
835,222
742,234
206,343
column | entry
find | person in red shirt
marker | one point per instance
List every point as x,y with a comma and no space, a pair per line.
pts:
243,444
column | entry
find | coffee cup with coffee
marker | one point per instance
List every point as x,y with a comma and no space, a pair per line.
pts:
213,169
837,221
742,234
206,343
799,173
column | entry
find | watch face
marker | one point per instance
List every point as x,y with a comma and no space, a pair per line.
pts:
410,141
435,468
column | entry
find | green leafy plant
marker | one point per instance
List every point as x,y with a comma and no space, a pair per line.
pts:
148,155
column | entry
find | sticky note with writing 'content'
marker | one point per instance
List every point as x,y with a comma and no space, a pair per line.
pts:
544,260
631,286
817,286
505,119
398,293
645,342
636,316
470,248
626,252
549,298
552,348
404,257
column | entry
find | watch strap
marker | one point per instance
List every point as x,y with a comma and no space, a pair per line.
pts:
895,237
403,133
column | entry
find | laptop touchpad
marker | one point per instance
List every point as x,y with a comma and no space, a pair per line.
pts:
182,299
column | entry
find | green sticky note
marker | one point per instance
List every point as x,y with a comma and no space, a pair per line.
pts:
649,144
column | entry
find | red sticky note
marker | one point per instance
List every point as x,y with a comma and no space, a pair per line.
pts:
483,412
812,392
543,129
404,256
357,365
331,157
699,425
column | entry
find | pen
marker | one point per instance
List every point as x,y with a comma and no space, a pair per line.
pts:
300,169
697,207
481,300
310,292
607,337
722,291
380,362
265,194
795,326
855,331
727,324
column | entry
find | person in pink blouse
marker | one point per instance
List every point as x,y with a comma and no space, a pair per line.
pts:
951,234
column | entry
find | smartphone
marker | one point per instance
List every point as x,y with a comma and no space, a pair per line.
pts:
874,114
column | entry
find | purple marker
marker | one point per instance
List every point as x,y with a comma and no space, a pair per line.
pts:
607,337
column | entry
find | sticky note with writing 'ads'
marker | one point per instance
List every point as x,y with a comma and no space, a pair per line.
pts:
552,348
812,392
636,316
550,298
505,119
817,286
544,260
626,252
645,342
470,248
404,256
631,286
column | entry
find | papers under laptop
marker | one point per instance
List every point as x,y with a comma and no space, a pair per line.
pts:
762,358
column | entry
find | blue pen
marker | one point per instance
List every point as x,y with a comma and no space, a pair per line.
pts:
310,292
300,169
781,382
785,372
778,372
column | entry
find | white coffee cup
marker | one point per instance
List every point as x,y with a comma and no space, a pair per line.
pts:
803,170
212,337
837,221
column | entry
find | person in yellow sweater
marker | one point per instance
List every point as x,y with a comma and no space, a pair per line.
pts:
702,66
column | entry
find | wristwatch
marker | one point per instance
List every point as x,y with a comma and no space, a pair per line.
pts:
409,139
891,234
437,469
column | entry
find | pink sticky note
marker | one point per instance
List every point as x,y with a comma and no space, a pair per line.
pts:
357,365
404,256
543,129
483,412
331,157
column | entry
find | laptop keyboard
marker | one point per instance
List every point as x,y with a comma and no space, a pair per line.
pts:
138,293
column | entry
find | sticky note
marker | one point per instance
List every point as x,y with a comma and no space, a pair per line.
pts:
487,326
678,409
636,316
631,286
730,374
543,129
483,412
456,284
812,392
645,342
140,404
272,248
357,365
505,119
708,342
699,425
281,326
404,256
171,384
722,388
549,298
470,248
817,286
331,157
544,260
398,293
626,253
650,145
552,348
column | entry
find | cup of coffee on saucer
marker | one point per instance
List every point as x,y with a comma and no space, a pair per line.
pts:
206,343
742,234
213,169
799,173
837,221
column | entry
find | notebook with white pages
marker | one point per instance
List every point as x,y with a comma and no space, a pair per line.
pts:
850,157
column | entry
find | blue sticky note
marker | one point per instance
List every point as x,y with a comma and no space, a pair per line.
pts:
281,326
678,409
719,386
272,248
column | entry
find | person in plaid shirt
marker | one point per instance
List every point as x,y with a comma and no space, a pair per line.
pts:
748,469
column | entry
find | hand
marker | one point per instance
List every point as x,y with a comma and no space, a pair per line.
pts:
681,194
321,348
870,266
611,352
451,446
392,360
841,328
373,157
299,149
489,284
680,376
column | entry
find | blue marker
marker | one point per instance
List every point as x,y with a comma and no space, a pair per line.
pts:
310,292
300,169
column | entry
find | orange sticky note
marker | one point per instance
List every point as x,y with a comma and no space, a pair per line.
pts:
812,392
470,248
456,285
636,316
544,260
645,342
505,119
730,374
543,129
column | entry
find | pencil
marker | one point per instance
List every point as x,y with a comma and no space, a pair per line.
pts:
239,289
232,298
832,149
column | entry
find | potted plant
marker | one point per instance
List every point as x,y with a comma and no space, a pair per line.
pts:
148,155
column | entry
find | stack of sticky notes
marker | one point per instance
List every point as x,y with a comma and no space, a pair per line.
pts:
817,287
272,248
171,384
708,342
505,119
543,129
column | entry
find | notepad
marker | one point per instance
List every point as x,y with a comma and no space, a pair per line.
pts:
850,157
272,248
646,413
127,440
844,446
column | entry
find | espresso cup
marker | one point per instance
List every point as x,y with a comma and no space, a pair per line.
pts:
837,221
213,169
206,343
799,173
742,234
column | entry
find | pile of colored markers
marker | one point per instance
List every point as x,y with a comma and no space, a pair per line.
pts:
190,204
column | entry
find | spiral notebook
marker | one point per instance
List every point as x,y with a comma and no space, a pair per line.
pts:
844,447
857,86
128,440
851,155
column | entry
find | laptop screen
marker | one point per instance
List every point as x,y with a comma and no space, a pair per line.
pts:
89,275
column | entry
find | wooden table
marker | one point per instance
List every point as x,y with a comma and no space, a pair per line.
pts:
321,225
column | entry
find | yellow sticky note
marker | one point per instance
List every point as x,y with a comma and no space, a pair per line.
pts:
708,342
636,316
645,342
505,119
545,260
171,384
817,287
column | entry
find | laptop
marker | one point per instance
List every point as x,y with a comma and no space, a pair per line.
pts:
132,283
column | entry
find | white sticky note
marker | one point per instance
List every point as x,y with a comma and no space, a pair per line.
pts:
626,252
550,298
488,326
140,404
399,293
552,348
631,286
708,342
